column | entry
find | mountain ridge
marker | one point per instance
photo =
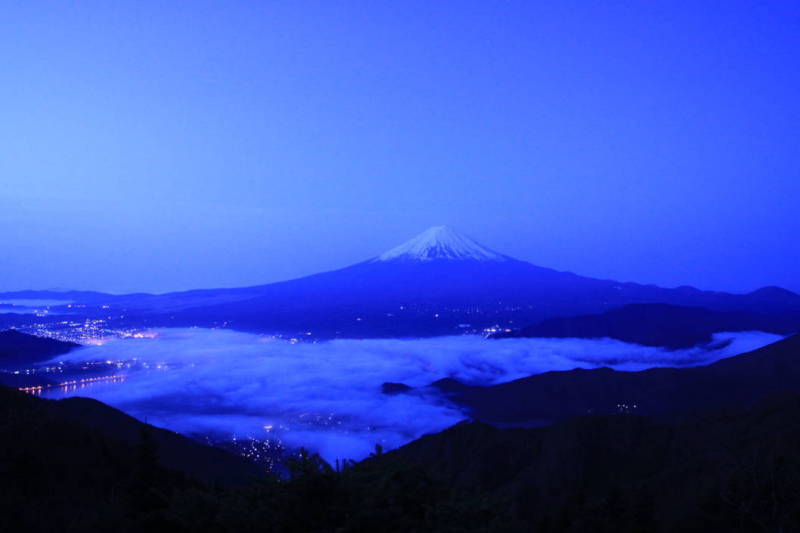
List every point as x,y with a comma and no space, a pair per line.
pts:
665,325
438,283
735,382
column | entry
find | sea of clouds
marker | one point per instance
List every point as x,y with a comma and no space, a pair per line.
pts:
327,396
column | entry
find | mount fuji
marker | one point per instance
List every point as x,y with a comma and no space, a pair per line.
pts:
429,285
440,243
440,282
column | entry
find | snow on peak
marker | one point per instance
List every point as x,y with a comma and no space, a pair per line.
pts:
438,243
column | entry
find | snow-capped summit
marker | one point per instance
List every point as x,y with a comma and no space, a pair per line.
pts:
441,243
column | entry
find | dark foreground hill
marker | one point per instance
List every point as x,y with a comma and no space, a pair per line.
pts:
82,429
21,350
622,473
81,466
736,382
736,472
670,326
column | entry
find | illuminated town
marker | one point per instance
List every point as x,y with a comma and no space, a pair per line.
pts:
88,331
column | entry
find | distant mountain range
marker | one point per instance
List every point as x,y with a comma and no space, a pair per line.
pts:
670,326
438,283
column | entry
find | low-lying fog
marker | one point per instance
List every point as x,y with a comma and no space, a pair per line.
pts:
327,396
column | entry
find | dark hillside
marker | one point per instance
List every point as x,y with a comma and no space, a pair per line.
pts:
734,471
736,382
726,472
21,350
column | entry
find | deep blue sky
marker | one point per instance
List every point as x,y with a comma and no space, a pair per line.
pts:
169,145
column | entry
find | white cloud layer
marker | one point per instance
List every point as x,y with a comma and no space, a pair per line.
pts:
327,396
